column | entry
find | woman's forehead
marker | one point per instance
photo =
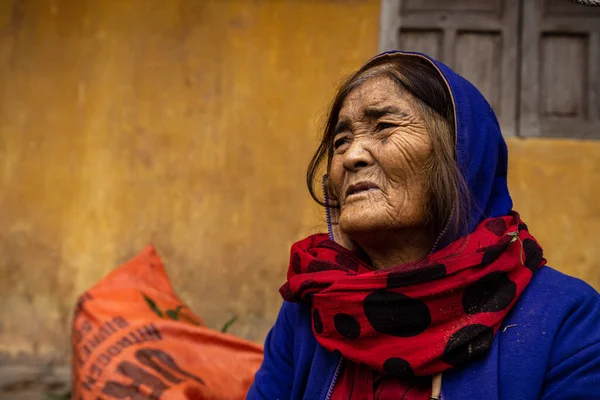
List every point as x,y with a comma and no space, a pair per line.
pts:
377,93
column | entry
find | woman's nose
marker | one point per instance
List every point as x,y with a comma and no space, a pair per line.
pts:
357,156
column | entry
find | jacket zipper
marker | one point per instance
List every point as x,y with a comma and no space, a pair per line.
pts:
336,375
334,380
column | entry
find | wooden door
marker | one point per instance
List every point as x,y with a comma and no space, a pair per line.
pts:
477,38
560,71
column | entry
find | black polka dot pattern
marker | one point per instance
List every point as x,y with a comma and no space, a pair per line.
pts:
309,287
494,292
497,226
347,326
491,253
400,279
286,291
396,314
309,284
317,322
469,343
296,264
320,265
347,261
398,367
523,227
533,254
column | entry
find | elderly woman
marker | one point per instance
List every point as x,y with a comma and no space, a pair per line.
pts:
429,285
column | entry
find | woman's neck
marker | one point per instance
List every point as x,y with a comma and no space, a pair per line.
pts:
396,248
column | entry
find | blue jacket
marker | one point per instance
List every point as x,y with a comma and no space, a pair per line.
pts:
548,346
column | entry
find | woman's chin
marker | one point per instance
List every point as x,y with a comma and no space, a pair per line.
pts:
359,222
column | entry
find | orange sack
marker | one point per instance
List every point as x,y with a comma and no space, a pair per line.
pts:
134,339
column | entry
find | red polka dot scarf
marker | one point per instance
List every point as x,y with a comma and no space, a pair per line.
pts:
420,318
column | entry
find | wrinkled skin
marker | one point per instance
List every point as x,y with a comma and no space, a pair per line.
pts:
382,139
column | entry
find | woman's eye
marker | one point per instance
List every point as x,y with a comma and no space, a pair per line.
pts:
339,142
384,125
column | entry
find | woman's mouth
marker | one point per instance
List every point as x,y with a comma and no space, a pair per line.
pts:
360,187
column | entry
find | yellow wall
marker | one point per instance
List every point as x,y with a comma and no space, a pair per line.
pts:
189,124
555,185
183,123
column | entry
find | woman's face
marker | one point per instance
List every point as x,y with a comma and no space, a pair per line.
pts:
377,172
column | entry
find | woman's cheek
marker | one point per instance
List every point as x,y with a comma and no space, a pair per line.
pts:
336,176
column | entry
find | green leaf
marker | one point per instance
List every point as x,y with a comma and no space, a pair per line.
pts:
190,319
228,324
173,315
522,251
152,305
513,234
521,257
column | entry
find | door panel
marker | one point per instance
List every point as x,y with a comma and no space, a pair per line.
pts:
560,72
